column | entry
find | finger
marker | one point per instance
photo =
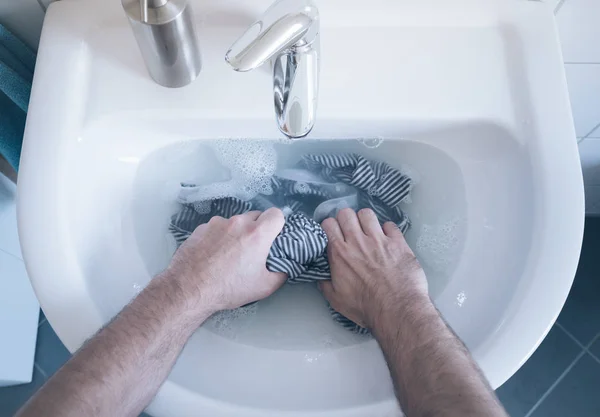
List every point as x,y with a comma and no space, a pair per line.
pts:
392,231
216,219
369,223
349,224
201,229
332,229
326,287
271,222
252,215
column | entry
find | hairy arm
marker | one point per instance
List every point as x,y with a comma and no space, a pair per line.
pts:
378,283
432,370
118,371
121,368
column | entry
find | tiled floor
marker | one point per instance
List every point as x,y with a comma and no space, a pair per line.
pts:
50,355
560,379
563,375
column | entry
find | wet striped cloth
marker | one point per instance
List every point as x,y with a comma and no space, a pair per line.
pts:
300,250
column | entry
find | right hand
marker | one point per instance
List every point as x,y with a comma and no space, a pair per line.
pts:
222,265
373,270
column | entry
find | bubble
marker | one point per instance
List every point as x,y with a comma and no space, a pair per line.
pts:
437,245
285,140
461,298
371,143
301,188
251,164
227,322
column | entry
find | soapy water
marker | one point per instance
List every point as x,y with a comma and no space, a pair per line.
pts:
437,244
251,165
296,316
227,322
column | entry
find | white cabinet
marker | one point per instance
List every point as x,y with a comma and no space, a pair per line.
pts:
19,308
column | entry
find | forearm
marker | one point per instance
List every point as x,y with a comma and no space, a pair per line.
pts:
119,370
433,373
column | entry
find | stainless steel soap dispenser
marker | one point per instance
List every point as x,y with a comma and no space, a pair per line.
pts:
166,35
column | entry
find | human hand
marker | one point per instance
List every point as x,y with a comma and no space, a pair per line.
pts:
223,263
373,270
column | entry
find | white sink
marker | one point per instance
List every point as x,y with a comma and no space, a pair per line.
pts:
471,96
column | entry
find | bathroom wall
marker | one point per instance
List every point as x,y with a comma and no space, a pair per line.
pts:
24,18
579,25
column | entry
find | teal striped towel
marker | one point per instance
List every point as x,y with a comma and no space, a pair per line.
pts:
17,62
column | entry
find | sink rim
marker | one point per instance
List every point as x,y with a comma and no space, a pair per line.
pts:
40,258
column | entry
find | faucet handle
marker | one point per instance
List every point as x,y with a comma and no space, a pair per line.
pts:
285,24
257,45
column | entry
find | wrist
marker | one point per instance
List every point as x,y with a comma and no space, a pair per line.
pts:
189,296
398,311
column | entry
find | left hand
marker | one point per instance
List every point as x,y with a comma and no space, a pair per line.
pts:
223,263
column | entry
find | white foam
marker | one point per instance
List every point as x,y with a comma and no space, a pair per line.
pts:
228,322
438,245
251,164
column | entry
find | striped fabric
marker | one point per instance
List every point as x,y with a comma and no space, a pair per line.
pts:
300,250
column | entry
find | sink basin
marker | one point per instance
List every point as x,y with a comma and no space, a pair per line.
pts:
470,98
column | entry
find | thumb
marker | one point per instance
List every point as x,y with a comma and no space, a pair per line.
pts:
270,222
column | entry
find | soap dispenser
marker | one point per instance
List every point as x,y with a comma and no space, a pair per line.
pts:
166,35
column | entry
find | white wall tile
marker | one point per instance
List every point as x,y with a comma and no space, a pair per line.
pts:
24,18
584,90
589,152
579,26
595,133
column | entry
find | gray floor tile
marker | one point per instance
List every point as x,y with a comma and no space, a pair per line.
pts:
520,393
576,394
595,348
581,314
12,398
50,353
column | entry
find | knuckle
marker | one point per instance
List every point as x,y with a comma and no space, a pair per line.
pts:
391,225
346,212
215,220
411,262
236,221
328,222
366,212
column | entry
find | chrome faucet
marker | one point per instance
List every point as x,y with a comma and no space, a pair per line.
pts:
288,33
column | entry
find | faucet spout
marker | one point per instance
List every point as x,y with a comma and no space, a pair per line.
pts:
288,35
